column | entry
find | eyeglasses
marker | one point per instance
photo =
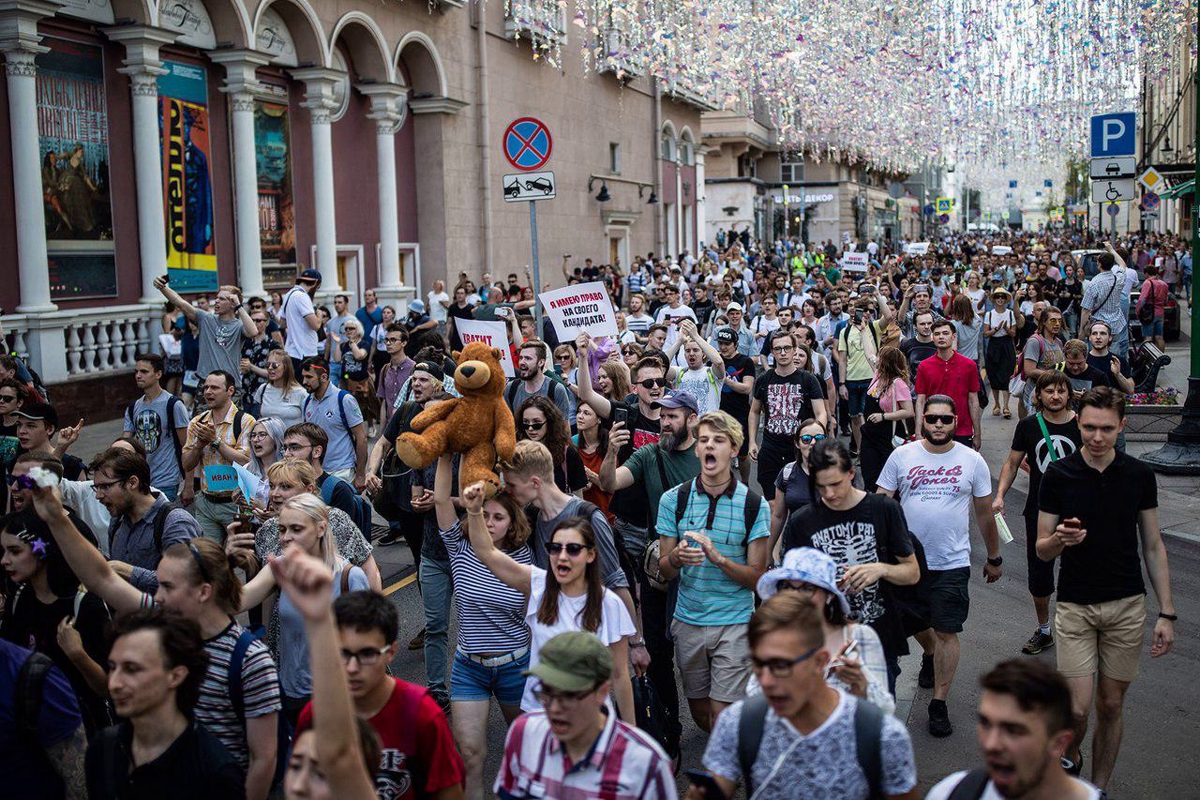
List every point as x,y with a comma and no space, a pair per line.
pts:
650,383
101,486
8,398
393,340
204,574
781,667
562,358
809,438
366,657
781,350
260,435
566,699
533,426
934,419
574,549
296,448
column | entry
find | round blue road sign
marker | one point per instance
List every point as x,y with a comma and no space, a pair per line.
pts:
1113,209
527,143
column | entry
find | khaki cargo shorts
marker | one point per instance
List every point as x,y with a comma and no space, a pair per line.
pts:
1105,637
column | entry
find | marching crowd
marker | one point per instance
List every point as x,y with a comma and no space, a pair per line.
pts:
759,492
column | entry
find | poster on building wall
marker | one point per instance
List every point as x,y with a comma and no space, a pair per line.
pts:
73,140
276,214
185,131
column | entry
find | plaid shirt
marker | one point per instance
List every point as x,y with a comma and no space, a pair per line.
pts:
624,763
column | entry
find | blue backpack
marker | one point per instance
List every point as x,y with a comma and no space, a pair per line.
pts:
362,508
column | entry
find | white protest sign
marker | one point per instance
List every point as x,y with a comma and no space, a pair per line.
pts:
582,307
855,262
494,334
1000,250
917,248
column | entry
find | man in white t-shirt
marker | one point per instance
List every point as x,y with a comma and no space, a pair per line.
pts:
703,380
300,318
937,481
1024,729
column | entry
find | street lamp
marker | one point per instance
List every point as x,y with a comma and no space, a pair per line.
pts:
1181,454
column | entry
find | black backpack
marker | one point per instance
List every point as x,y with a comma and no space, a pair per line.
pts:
31,682
172,401
971,786
868,733
652,716
160,522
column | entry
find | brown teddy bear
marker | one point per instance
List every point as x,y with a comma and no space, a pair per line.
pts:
479,425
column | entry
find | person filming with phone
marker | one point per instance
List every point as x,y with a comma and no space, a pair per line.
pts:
1096,507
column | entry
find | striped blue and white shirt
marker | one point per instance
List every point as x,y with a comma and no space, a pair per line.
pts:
707,596
491,614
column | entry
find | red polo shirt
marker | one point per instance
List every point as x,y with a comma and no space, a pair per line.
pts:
957,378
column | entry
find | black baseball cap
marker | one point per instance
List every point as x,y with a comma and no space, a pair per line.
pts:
726,335
432,368
42,411
310,275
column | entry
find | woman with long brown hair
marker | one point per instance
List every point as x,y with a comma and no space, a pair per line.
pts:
613,381
968,325
540,420
889,400
570,596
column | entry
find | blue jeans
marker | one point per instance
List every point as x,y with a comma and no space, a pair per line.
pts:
470,680
436,590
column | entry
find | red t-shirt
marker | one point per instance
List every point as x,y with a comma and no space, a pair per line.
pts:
957,378
436,761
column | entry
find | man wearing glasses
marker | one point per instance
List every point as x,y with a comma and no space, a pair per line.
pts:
938,481
419,757
136,536
811,736
576,746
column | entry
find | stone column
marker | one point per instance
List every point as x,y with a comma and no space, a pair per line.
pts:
701,220
20,43
143,68
679,230
388,109
319,84
240,84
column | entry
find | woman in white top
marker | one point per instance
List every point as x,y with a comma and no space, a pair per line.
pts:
975,291
568,597
1000,328
266,447
281,396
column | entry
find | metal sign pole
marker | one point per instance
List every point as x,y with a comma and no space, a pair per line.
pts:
537,273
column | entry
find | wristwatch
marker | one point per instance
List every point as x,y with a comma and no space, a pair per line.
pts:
997,561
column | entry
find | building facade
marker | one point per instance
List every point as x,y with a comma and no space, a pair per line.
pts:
238,141
752,182
1167,140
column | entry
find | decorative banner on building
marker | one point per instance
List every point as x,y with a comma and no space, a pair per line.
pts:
916,248
582,307
75,276
187,178
494,334
276,213
73,140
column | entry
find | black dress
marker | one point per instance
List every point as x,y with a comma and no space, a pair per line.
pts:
1001,356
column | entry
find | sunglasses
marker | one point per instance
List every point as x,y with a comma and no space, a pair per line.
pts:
533,426
650,383
8,398
574,549
809,438
934,419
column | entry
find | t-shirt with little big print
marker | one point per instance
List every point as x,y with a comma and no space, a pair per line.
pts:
419,756
936,492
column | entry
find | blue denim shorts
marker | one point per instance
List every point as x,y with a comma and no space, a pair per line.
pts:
857,393
470,680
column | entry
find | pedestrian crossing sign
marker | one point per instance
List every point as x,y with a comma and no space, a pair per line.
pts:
945,205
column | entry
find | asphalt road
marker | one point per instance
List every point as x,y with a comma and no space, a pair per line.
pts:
1159,726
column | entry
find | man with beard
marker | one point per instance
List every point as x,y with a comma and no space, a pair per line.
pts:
1024,728
917,300
657,467
938,481
136,536
1041,439
532,380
